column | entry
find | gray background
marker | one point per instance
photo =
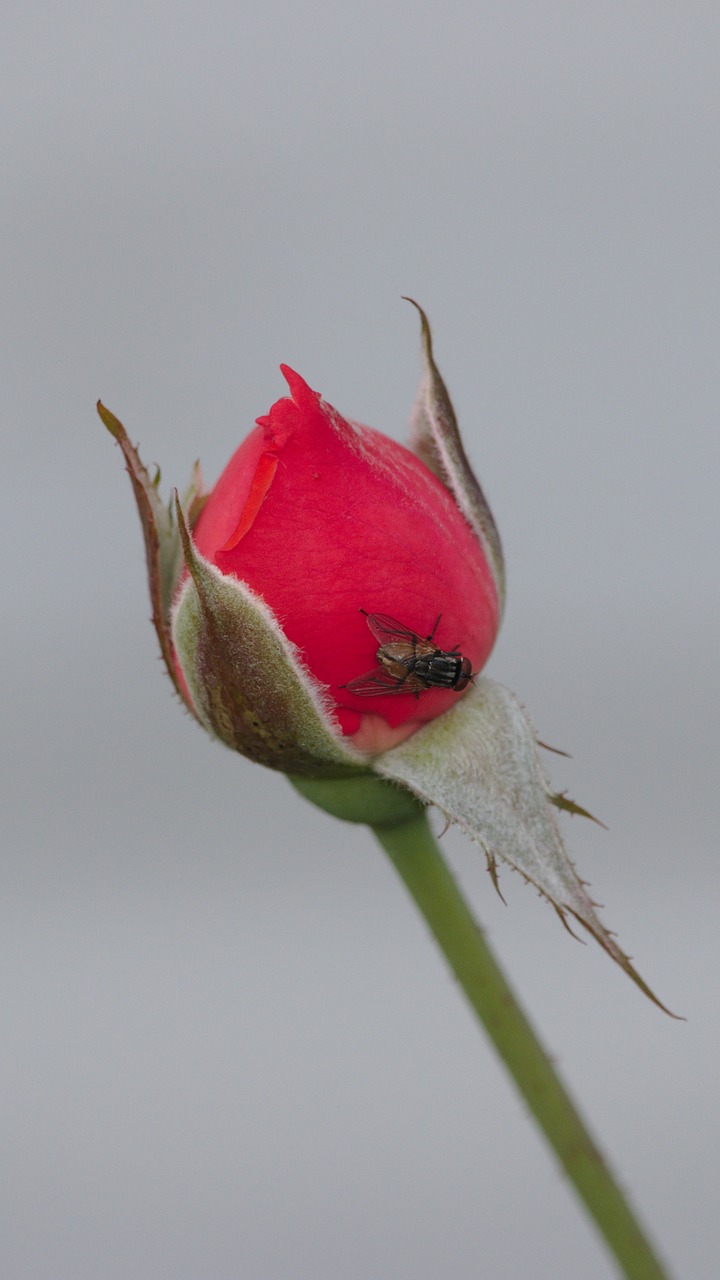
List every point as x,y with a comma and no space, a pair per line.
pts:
229,1048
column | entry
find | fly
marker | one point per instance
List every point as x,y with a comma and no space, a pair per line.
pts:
409,663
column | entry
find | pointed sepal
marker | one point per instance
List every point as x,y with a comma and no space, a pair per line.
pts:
479,764
435,437
163,551
247,681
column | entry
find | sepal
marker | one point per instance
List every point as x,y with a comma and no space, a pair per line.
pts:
247,681
163,550
479,765
435,437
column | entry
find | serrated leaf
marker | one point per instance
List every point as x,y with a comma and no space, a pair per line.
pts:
479,764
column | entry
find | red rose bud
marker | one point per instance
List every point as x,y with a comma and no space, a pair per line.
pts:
373,574
326,520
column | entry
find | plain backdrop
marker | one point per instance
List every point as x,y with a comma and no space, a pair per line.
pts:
229,1048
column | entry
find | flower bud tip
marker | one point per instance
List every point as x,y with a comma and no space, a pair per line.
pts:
303,395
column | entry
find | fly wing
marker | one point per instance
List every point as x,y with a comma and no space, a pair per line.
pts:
386,629
377,683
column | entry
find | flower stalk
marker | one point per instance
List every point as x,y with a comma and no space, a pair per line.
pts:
415,854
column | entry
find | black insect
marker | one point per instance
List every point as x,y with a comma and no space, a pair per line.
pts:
408,663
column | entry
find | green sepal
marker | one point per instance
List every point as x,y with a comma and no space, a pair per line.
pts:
163,550
247,682
435,437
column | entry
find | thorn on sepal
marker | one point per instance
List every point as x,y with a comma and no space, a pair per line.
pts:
493,873
561,800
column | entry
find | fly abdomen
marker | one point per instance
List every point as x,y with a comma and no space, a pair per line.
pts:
440,670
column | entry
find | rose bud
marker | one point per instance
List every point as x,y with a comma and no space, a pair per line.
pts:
316,527
324,519
326,611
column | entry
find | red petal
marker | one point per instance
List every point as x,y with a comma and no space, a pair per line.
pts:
266,468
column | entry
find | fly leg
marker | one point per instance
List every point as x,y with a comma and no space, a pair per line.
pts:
437,624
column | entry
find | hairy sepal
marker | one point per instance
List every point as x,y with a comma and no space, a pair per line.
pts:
247,681
479,765
435,437
163,550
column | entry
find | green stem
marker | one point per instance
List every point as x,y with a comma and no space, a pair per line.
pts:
419,862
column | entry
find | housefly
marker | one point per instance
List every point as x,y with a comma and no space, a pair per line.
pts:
409,663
